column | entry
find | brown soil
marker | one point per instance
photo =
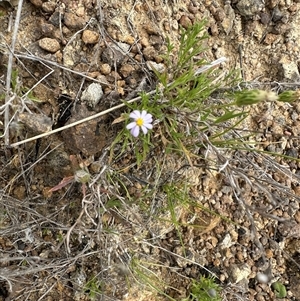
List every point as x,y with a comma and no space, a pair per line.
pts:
114,233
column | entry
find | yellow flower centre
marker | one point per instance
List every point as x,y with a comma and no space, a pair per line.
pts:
140,121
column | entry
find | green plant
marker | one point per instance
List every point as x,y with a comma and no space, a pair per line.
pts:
204,289
180,105
93,288
143,273
279,289
19,89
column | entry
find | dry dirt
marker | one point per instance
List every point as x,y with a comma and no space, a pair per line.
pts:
60,245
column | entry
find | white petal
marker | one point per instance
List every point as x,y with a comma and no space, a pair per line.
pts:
148,126
148,116
135,131
143,114
135,114
131,125
148,119
144,129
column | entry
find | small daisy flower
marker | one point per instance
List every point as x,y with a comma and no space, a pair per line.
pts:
141,120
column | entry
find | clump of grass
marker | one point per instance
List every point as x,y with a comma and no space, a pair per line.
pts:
93,288
184,106
180,103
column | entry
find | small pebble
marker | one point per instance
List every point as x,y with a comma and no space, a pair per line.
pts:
262,278
158,67
90,37
73,21
220,15
105,69
265,18
277,14
48,7
126,70
185,22
50,45
92,94
37,3
149,53
249,8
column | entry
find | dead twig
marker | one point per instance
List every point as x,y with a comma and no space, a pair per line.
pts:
9,72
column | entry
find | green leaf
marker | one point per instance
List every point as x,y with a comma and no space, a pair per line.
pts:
227,116
279,289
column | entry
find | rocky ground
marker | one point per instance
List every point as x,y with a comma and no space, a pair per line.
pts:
115,239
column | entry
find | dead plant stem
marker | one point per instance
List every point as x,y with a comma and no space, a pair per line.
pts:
9,72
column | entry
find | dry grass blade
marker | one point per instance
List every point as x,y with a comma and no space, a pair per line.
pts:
9,71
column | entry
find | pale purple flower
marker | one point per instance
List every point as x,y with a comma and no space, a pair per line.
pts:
141,120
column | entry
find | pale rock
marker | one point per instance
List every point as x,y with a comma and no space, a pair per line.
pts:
90,37
92,94
50,45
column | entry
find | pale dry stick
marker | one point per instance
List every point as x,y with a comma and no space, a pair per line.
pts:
210,65
10,21
7,259
77,122
6,129
9,71
7,104
7,281
61,12
85,204
198,71
67,238
99,174
46,293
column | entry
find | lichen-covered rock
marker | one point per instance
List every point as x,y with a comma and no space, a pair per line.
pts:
92,94
115,54
249,8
